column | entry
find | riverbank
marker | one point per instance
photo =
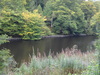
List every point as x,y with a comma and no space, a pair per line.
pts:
51,36
65,35
14,38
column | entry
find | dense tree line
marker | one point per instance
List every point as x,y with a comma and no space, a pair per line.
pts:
32,19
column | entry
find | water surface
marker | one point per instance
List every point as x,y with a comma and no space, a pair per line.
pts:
22,49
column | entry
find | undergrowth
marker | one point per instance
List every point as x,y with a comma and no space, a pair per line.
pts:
68,62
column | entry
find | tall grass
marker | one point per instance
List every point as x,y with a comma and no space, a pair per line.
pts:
68,62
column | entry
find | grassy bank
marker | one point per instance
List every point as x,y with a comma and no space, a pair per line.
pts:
68,62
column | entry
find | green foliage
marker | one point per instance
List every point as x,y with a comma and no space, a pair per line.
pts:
89,10
34,26
95,22
49,7
33,4
17,5
66,16
10,22
5,56
71,16
97,5
5,60
30,6
40,9
3,39
25,24
98,50
94,67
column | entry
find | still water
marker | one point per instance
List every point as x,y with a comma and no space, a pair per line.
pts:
22,49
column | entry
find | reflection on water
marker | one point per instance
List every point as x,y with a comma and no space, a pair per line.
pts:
22,49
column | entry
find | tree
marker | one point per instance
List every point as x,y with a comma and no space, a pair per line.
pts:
30,6
25,24
97,5
33,4
34,27
40,9
10,22
95,22
65,15
17,5
89,10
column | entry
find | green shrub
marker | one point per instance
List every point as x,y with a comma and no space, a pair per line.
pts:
3,39
92,69
5,59
5,56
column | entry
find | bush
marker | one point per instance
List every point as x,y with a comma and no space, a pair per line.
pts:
5,60
3,39
92,69
5,56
